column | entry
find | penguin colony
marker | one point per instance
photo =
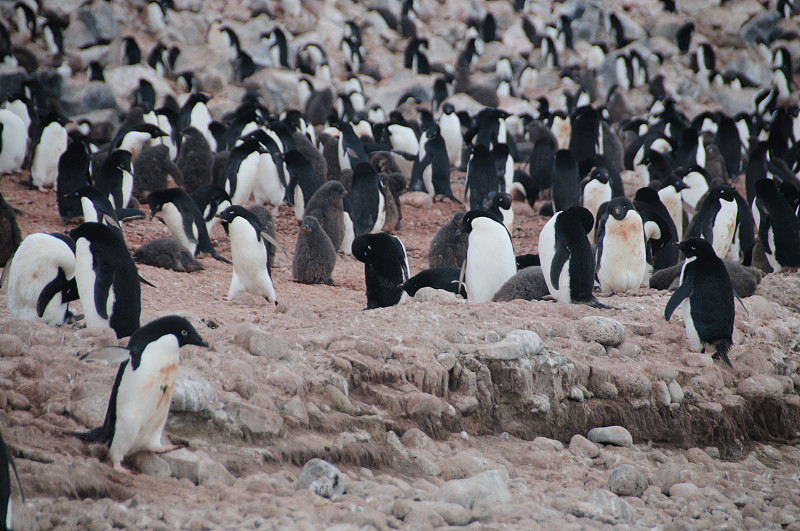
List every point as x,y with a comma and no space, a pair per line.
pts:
585,113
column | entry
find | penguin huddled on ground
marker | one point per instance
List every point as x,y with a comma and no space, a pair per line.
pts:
385,268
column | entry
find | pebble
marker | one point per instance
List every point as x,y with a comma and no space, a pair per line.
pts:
323,479
11,345
663,397
665,476
490,486
614,435
684,490
675,392
259,342
625,480
760,386
580,446
607,390
695,359
435,296
604,330
258,421
192,392
517,344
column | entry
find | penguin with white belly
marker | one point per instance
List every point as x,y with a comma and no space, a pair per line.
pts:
490,258
142,391
249,254
47,149
621,253
716,219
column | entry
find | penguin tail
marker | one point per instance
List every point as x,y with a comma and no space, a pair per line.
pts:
722,346
594,303
144,281
98,435
219,257
453,198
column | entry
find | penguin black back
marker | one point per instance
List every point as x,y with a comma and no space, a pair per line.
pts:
385,267
481,176
565,188
73,173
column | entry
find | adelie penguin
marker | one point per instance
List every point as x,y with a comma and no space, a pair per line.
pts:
314,254
366,202
41,279
10,235
114,178
211,200
435,166
303,182
73,174
445,278
565,186
184,220
490,258
167,253
716,220
706,299
566,256
96,207
6,504
500,204
621,254
142,391
249,255
13,141
450,129
778,226
385,268
481,177
107,279
47,149
241,171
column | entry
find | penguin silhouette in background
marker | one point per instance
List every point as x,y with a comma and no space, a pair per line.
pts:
706,299
47,149
314,254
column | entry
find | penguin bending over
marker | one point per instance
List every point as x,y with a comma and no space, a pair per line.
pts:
142,391
385,268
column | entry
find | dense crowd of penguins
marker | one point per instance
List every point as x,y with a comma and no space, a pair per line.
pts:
342,160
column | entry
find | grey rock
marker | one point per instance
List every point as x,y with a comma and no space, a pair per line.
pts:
323,479
517,344
192,392
258,342
100,21
625,480
580,446
603,330
576,394
614,435
339,400
663,397
150,464
11,345
452,513
611,504
675,392
490,486
684,490
197,467
540,404
607,390
544,443
436,296
295,408
760,386
257,421
665,476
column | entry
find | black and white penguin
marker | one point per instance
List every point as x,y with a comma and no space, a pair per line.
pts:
277,46
499,203
566,257
211,200
706,299
366,202
778,226
184,219
385,268
327,206
716,219
13,141
303,182
241,171
697,183
596,190
490,258
195,159
107,279
540,162
481,179
96,207
565,184
136,137
445,278
448,246
131,53
195,112
41,279
73,174
48,147
114,178
670,195
621,254
142,391
6,504
249,254
435,165
10,235
659,229
314,254
450,129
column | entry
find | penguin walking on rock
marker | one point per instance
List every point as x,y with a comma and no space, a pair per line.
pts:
249,254
107,279
41,279
184,220
621,252
142,391
385,268
490,258
706,299
566,256
314,254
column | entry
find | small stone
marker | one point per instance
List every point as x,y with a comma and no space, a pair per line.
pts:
416,438
576,394
665,476
614,435
684,490
295,408
257,421
695,359
490,486
323,479
258,342
517,344
625,480
540,404
339,401
435,296
453,513
543,443
192,392
760,386
675,392
11,346
580,446
712,451
150,464
603,330
424,404
607,390
663,398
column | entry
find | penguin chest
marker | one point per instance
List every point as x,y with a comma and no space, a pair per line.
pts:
52,145
144,396
85,278
249,258
89,211
622,263
173,219
381,218
268,188
673,202
245,179
127,188
724,227
299,202
490,263
697,188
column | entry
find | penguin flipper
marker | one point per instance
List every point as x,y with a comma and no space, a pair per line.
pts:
722,347
736,295
6,269
763,231
107,354
683,291
274,242
102,287
16,475
52,288
144,281
125,214
461,276
559,259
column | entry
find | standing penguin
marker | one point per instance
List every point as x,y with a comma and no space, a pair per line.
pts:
142,391
716,220
659,229
449,246
96,206
596,191
303,182
241,171
152,168
10,235
670,195
500,204
435,166
778,226
249,254
490,258
327,206
41,279
195,159
47,149
565,185
6,513
73,174
621,254
366,201
314,254
211,200
114,178
481,177
184,220
450,128
706,299
385,268
107,279
13,141
194,112
566,256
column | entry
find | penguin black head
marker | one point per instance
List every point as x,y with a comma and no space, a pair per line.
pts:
472,215
600,173
448,108
619,207
583,215
696,247
723,192
178,326
500,200
234,211
673,180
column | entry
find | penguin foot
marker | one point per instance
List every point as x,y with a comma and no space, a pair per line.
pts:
168,448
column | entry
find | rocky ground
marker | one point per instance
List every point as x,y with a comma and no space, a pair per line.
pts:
430,414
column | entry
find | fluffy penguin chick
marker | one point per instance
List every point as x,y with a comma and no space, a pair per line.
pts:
314,254
167,253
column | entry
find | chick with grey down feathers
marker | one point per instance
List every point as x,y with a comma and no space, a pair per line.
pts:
195,160
327,206
744,279
152,168
448,247
528,284
314,254
167,253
